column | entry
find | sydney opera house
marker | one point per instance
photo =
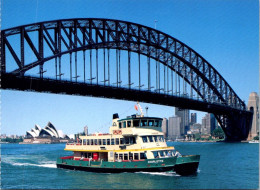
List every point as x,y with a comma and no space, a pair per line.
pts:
46,135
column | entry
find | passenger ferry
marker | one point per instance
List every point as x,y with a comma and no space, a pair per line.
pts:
133,144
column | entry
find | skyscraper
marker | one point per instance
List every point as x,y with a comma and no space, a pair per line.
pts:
208,123
174,125
184,115
253,104
165,127
193,118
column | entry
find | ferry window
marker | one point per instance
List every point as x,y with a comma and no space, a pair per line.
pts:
128,123
130,156
136,123
136,156
89,155
155,139
95,141
117,141
92,142
150,123
121,157
132,140
144,139
155,154
160,123
161,153
120,125
99,141
122,141
116,156
142,156
108,141
88,143
143,123
156,123
112,141
84,141
150,138
125,156
104,142
124,124
126,140
160,138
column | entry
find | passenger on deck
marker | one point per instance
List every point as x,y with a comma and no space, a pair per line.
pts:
82,157
120,159
90,158
169,154
178,154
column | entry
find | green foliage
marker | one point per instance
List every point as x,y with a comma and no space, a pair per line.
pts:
256,138
197,136
218,133
11,140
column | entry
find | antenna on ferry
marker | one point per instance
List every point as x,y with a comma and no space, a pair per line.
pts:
141,110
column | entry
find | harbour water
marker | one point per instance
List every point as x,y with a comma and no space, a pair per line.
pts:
222,166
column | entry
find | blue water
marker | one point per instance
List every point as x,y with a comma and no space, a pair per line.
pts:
222,166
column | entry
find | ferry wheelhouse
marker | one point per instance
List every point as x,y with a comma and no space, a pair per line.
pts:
133,144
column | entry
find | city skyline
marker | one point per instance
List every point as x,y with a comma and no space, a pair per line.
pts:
211,29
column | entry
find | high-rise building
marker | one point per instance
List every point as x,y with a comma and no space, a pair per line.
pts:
184,115
86,130
208,123
165,127
253,104
174,126
193,118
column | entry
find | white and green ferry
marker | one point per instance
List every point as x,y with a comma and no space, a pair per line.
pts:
133,144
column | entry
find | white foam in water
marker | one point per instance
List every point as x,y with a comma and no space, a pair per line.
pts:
37,165
160,173
13,161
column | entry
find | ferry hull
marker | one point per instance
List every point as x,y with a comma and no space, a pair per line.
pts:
149,165
115,170
187,165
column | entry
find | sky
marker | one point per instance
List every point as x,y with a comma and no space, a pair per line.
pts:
224,32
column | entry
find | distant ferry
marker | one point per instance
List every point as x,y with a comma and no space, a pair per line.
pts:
133,144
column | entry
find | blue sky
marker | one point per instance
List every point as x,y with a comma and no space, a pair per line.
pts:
224,32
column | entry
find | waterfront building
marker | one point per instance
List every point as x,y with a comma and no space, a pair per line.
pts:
165,127
49,134
86,130
184,115
195,128
253,104
193,118
174,126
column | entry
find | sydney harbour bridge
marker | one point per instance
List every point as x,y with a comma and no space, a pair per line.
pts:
121,60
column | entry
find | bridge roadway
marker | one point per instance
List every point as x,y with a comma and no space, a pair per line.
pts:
235,127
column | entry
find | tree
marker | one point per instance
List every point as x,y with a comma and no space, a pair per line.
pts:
256,138
218,133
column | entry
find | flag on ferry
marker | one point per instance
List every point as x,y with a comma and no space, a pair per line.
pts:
136,108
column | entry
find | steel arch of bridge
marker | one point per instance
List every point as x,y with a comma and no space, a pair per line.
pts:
73,35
